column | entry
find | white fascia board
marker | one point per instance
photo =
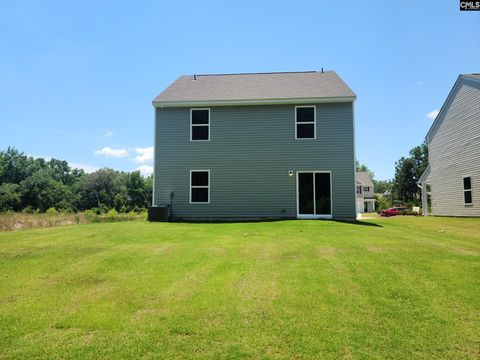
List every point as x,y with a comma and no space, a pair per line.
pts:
165,104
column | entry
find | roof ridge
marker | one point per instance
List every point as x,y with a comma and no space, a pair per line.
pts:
264,73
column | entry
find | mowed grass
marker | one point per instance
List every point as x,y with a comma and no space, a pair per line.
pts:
396,288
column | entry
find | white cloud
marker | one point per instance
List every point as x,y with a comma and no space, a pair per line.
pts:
87,168
433,114
108,133
109,152
145,170
144,154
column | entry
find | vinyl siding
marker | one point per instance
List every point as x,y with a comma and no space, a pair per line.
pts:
454,151
250,152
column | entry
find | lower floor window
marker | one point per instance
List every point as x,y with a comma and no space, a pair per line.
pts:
200,186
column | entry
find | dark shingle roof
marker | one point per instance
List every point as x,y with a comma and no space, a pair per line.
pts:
474,76
255,86
364,178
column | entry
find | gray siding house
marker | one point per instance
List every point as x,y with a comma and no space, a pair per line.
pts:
453,172
255,146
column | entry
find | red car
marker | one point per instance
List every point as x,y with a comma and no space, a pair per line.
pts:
397,210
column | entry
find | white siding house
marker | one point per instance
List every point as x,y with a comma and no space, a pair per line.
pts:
453,140
365,193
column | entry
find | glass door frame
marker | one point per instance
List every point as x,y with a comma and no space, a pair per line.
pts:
314,216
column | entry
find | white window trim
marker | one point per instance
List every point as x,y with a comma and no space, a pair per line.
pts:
199,187
192,125
315,216
307,122
464,190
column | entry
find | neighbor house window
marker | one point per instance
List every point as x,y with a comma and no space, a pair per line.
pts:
200,186
366,188
467,190
305,122
359,189
200,124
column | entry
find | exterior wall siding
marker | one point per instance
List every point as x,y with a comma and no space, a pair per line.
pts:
454,152
250,152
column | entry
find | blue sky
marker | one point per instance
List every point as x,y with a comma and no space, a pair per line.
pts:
77,78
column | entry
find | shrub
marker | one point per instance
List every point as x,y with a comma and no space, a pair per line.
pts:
112,214
90,215
29,210
51,211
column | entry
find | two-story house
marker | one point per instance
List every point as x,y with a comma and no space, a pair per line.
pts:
365,193
453,172
255,146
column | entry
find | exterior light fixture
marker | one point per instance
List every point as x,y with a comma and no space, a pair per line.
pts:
290,172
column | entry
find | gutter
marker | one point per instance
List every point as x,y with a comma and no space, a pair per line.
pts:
296,101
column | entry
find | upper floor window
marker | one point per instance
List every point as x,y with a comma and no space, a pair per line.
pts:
467,190
359,189
199,124
305,122
366,188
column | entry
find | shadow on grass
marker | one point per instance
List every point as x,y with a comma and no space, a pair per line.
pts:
243,221
356,222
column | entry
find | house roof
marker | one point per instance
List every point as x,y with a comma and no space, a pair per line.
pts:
255,88
473,76
461,77
364,178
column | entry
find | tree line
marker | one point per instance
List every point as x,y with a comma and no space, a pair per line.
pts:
35,184
403,187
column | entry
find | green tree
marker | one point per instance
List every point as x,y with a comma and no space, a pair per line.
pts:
137,196
15,166
419,156
405,181
10,197
364,168
408,172
41,192
103,188
149,189
382,202
382,185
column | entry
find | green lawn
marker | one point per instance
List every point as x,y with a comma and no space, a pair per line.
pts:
400,288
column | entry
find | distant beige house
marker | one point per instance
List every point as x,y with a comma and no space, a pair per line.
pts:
453,172
365,193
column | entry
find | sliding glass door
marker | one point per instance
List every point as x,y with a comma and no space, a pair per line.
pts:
314,194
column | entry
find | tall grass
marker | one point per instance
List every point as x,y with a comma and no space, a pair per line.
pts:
16,221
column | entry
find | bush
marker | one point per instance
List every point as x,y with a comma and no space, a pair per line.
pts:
112,214
29,210
90,215
51,211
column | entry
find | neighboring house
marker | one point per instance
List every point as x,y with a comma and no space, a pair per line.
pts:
453,140
365,193
249,146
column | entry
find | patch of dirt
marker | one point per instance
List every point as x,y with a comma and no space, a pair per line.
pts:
376,250
322,251
462,251
215,250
